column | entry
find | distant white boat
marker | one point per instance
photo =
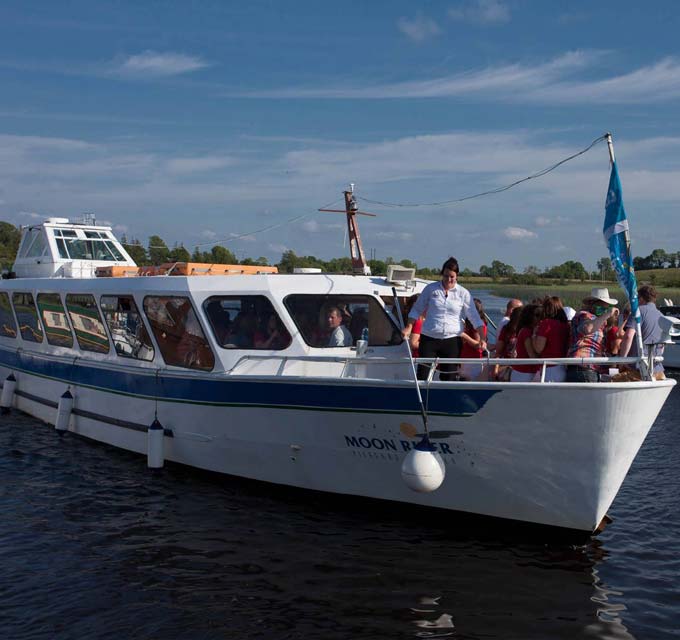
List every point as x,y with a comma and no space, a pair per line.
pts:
234,374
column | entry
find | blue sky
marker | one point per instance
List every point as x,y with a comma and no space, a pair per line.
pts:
210,121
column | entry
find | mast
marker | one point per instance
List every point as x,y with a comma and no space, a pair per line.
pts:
356,250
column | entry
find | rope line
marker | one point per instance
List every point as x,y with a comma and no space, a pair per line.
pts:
240,235
538,174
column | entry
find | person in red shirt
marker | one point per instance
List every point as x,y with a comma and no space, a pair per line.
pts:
414,338
551,338
506,346
472,346
531,315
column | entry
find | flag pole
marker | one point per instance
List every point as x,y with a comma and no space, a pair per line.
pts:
638,327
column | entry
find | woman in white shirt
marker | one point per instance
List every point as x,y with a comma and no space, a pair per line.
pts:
446,305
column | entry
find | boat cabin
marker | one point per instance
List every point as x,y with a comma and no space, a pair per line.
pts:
59,248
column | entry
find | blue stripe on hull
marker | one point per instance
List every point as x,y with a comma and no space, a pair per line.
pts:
224,391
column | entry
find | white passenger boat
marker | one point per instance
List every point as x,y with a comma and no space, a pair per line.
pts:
671,352
240,375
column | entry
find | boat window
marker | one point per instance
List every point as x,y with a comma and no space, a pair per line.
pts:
29,239
114,250
38,247
53,316
246,322
85,318
340,320
65,233
178,332
130,337
27,317
62,249
8,328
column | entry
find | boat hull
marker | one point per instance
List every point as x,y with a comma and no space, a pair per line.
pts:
553,454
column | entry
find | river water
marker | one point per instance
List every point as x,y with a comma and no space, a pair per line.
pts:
93,545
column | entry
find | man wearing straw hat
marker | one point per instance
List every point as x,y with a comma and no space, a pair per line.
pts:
587,334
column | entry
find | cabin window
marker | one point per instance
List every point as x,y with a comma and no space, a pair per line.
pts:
27,317
130,337
8,327
39,246
95,246
32,236
178,332
53,316
246,322
340,320
88,325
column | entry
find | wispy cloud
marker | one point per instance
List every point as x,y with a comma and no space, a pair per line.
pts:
519,233
550,82
194,165
418,29
507,79
480,11
154,64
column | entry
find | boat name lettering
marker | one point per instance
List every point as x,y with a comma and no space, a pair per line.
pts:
388,444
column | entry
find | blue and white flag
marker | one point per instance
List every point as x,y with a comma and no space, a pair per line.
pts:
617,238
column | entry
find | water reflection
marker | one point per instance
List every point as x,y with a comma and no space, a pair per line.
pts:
182,554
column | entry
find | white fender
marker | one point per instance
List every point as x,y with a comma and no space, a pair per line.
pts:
154,452
8,389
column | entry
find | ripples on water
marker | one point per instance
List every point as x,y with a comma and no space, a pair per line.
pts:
92,545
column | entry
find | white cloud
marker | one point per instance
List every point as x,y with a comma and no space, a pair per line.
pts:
480,11
518,233
394,235
208,234
509,79
311,226
419,28
33,215
157,65
194,165
278,248
548,82
542,221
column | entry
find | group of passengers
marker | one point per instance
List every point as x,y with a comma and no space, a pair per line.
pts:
248,329
445,321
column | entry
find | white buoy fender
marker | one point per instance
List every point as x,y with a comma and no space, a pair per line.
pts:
64,412
154,452
423,469
8,389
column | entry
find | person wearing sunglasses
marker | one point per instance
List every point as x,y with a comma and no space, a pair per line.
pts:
588,334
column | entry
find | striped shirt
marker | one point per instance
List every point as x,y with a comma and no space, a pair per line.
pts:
582,344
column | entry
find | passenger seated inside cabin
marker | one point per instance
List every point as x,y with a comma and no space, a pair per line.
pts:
220,321
271,334
358,323
242,331
339,334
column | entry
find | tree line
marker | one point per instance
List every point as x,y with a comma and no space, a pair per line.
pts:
157,252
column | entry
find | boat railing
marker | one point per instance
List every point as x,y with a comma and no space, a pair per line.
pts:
350,366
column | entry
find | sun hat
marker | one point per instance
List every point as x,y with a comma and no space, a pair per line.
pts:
601,294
